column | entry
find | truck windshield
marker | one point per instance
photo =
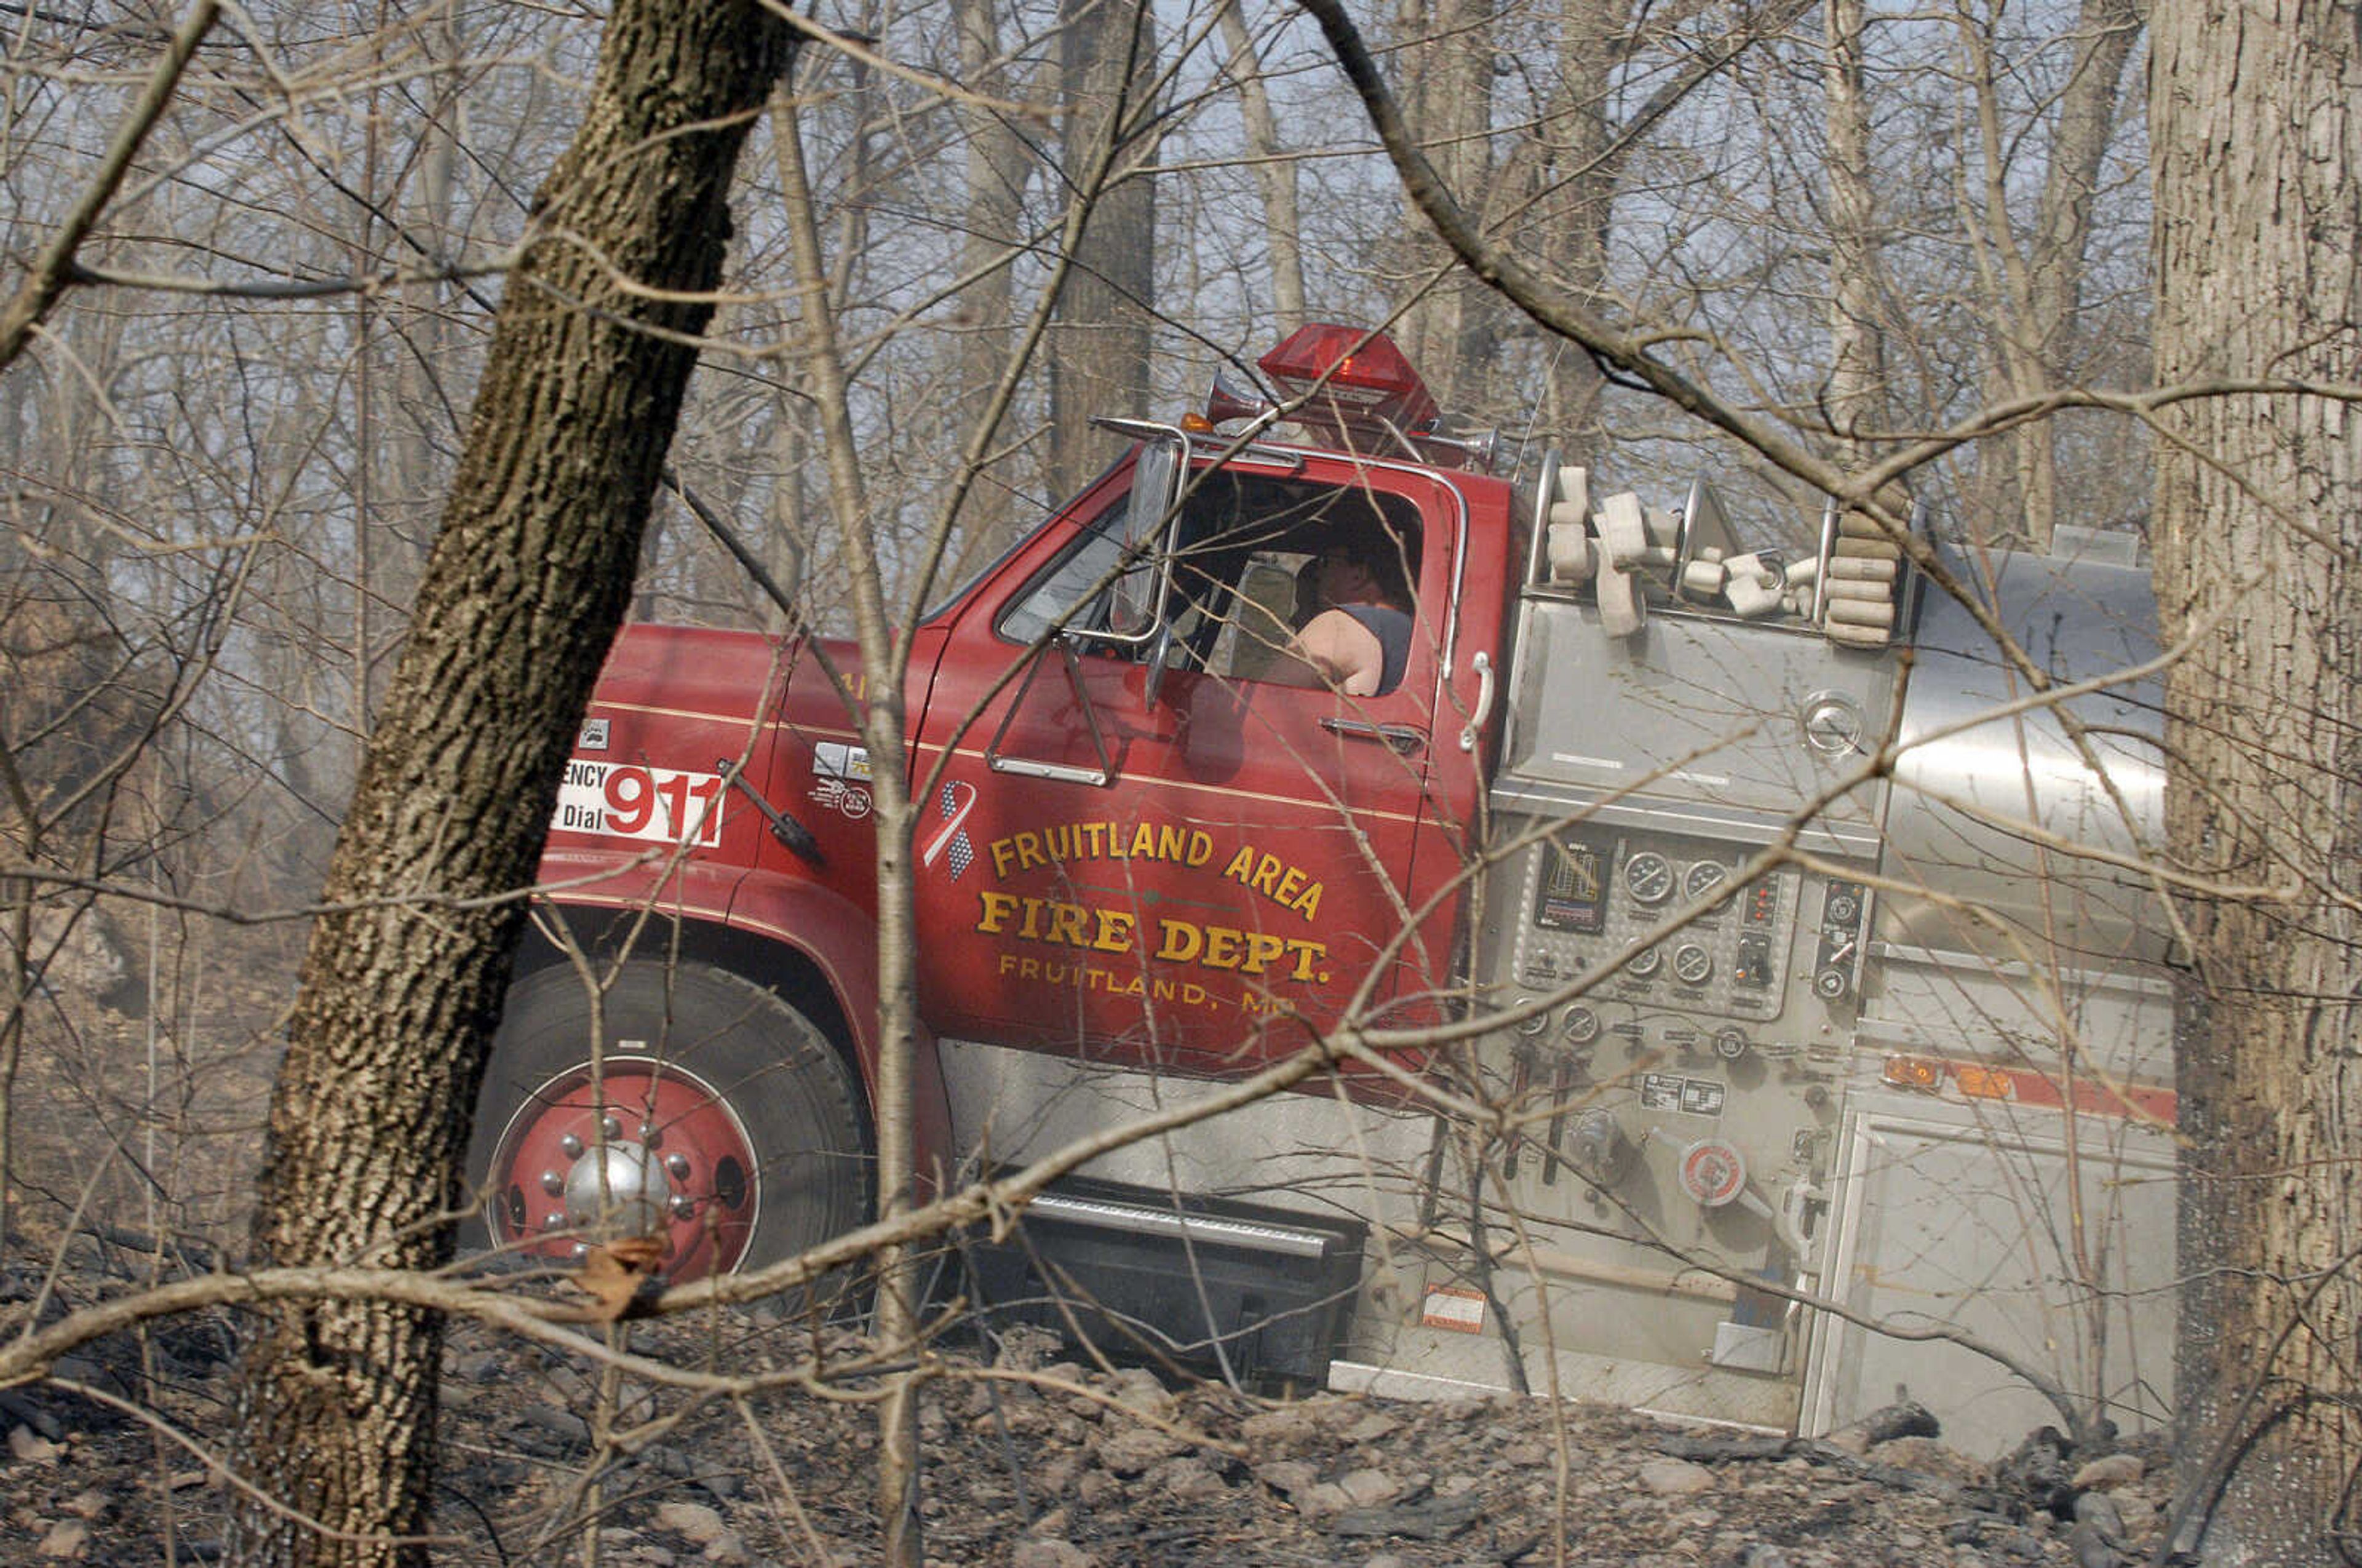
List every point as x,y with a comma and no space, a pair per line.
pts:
943,601
946,598
1073,594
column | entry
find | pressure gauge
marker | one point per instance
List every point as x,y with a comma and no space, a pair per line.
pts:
1691,964
1649,877
1703,879
1645,962
1832,724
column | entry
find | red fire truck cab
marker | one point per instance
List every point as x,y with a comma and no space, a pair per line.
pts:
1148,841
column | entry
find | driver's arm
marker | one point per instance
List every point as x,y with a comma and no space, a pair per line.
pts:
1333,650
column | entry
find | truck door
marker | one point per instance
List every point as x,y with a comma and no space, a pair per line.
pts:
1161,851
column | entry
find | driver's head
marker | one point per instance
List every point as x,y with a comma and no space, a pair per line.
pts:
1355,570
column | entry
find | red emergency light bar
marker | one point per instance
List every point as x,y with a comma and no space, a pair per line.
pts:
1354,380
1357,389
1360,374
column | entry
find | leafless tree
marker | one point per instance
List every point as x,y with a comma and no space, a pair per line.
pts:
2256,466
529,577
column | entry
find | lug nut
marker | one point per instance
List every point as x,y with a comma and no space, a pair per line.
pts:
651,1134
610,1129
677,1166
582,1251
684,1208
570,1146
555,1222
552,1183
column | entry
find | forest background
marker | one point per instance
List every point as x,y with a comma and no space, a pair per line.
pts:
262,250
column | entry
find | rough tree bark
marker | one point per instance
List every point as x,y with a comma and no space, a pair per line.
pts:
527,582
2256,122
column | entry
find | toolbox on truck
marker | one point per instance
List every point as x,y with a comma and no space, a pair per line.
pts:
1201,1283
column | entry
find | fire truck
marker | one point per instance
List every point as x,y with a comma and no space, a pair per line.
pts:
1754,990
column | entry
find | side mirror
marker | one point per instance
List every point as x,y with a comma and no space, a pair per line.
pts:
1135,603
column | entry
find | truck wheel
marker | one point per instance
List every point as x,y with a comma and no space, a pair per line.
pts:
720,1118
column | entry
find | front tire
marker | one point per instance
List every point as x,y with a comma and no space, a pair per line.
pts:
718,1117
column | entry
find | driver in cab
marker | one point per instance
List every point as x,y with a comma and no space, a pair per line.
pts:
1359,636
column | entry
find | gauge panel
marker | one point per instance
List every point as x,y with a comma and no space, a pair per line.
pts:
1592,894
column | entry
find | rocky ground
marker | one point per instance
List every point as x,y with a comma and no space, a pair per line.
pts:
1040,1463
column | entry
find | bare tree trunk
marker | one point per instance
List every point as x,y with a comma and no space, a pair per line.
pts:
2036,285
1274,170
996,160
1856,345
1104,342
1582,168
1452,94
2258,167
16,985
417,426
881,720
522,595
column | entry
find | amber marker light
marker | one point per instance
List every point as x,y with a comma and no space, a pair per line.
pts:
1913,1073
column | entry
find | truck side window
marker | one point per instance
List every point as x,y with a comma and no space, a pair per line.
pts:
1247,548
1276,572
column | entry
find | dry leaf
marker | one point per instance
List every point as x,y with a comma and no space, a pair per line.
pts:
614,1274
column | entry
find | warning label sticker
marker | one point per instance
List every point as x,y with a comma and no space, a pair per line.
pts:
1690,1096
625,801
834,759
1450,1307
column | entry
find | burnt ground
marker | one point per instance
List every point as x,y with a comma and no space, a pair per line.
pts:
1032,1460
1046,1464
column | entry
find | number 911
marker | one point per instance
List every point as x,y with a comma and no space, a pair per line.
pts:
626,800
